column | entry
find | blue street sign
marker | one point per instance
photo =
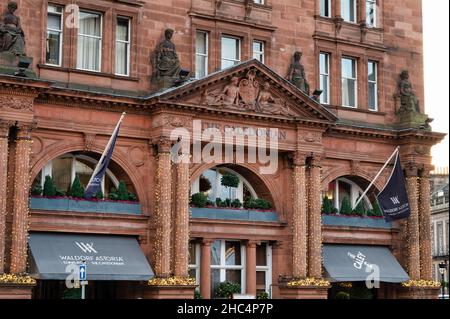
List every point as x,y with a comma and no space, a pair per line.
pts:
82,272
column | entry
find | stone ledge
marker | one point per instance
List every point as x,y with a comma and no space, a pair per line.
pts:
169,292
16,291
417,292
307,292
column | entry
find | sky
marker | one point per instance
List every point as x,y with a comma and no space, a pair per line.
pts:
436,58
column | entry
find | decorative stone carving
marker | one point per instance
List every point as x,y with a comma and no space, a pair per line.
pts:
172,121
296,74
246,94
12,38
311,137
136,155
408,111
88,141
248,8
166,64
409,102
17,103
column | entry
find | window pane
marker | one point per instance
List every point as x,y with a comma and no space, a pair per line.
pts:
348,68
88,55
372,71
260,281
230,48
324,8
193,273
324,88
122,29
84,172
192,254
215,280
215,253
233,275
200,42
121,58
261,255
348,92
344,191
348,10
54,9
62,173
324,63
372,96
227,64
90,24
53,47
232,253
370,13
54,22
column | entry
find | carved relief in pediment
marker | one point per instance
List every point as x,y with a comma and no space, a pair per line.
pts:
247,94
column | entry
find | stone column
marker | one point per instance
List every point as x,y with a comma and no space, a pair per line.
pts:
299,218
250,268
425,225
337,8
181,232
205,269
315,219
20,200
413,259
4,132
361,11
163,209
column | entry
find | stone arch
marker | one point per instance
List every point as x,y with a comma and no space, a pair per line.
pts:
264,186
347,171
59,149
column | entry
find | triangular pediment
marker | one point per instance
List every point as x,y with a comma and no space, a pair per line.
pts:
249,87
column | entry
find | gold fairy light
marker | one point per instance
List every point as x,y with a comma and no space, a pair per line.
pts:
309,282
172,281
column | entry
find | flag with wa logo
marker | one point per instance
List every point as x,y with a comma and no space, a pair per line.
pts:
393,199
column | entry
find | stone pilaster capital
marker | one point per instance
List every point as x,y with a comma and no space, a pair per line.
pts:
207,241
252,243
315,159
411,169
164,144
24,130
425,170
4,128
299,158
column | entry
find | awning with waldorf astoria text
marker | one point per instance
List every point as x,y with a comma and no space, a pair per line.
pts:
362,262
107,257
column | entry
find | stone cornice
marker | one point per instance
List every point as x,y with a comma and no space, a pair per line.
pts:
12,85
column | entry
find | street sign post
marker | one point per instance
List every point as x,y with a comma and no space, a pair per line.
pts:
82,277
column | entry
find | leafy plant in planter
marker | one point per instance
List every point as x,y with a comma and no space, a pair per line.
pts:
342,295
327,206
236,203
262,295
60,193
76,190
122,192
132,197
231,181
226,289
37,190
99,195
197,295
49,187
205,184
376,209
258,203
199,199
113,194
346,207
359,209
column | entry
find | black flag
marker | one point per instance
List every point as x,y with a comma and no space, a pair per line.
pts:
393,199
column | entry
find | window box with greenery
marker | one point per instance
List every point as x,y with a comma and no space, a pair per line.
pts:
49,198
226,289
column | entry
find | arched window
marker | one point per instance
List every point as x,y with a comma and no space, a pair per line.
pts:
64,169
209,183
344,187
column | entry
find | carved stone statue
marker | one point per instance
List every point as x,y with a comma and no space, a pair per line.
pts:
12,38
166,64
268,104
296,74
408,100
229,95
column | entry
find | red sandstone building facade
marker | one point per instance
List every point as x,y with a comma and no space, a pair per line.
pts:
57,121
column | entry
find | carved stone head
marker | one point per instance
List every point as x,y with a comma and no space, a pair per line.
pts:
297,56
404,75
12,6
168,34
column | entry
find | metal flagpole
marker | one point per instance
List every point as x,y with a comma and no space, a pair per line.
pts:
378,175
106,149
